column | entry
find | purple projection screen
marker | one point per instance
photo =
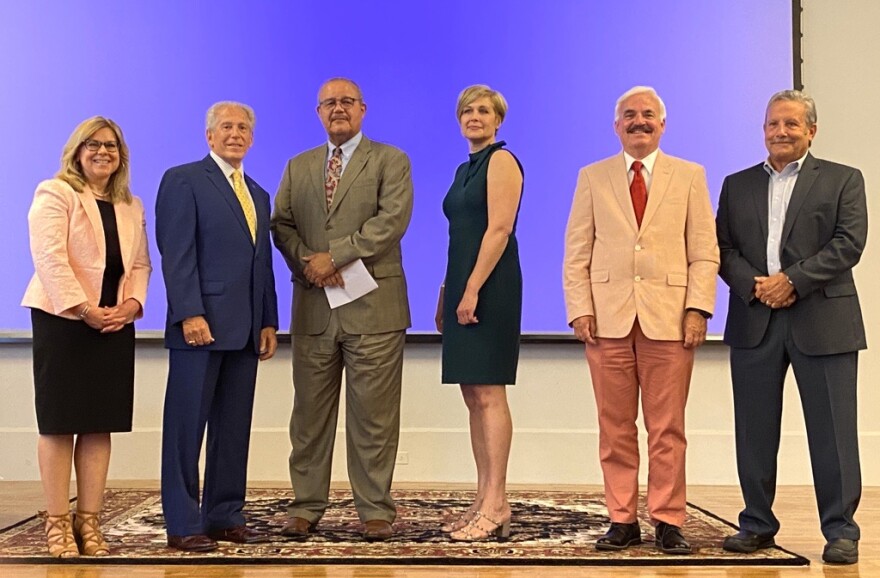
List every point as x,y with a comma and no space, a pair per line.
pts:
155,67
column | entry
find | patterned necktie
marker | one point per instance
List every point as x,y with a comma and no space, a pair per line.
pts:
638,191
334,171
247,204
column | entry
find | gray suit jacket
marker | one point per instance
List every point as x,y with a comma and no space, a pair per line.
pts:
371,210
825,229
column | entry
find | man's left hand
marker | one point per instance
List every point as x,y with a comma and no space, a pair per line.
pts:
268,343
774,291
318,266
694,326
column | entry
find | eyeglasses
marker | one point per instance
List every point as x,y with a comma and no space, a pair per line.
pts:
111,146
345,102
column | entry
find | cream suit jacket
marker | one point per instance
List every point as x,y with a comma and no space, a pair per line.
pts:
617,271
69,252
371,210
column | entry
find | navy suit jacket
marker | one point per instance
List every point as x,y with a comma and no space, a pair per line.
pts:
823,237
210,264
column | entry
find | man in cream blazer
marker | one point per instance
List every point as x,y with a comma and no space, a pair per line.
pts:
639,280
348,199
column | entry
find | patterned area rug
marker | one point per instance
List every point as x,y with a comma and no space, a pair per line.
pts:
549,528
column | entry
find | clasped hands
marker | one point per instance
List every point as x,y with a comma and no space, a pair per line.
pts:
197,332
112,319
775,291
321,272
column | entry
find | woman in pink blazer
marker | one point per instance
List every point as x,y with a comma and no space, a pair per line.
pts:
89,245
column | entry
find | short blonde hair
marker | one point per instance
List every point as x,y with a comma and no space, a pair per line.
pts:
472,93
71,171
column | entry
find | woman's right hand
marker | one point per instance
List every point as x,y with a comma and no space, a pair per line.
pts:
95,317
438,316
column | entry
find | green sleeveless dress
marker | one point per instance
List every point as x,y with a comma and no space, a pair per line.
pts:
485,353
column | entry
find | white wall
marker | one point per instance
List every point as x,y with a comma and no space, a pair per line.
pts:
555,437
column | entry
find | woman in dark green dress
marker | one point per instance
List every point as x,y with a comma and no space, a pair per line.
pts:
481,304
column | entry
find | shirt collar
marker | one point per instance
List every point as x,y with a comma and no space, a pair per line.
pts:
225,167
347,147
791,168
647,162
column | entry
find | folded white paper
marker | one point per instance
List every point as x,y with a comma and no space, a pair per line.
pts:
358,282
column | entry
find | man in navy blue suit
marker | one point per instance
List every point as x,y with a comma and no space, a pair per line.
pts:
212,228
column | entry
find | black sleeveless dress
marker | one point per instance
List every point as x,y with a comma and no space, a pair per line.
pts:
84,379
487,352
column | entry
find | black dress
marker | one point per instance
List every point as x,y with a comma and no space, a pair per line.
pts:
485,353
84,379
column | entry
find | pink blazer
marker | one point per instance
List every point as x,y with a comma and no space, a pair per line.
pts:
616,271
68,248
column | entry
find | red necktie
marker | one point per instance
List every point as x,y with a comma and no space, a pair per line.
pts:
638,191
334,171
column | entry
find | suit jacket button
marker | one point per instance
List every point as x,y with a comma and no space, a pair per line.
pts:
637,279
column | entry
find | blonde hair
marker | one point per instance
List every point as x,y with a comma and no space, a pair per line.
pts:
71,171
477,91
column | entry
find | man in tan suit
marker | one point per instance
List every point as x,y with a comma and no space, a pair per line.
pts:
346,200
639,278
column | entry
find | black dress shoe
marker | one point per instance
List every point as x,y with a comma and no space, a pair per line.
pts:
620,536
240,535
669,539
746,542
841,551
194,543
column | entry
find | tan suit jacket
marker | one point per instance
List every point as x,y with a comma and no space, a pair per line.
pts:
617,271
68,247
371,210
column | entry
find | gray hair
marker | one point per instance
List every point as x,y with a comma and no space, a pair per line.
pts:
797,96
354,84
211,116
639,90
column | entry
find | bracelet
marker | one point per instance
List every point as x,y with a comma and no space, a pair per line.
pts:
85,311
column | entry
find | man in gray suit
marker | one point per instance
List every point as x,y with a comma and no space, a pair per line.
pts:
790,231
349,199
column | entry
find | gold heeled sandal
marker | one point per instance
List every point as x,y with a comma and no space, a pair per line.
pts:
59,536
476,531
454,523
87,532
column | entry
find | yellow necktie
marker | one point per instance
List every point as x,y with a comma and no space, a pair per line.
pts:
246,204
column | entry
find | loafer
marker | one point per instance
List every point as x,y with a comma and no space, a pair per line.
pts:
746,542
841,551
240,535
377,530
669,539
620,536
298,528
194,543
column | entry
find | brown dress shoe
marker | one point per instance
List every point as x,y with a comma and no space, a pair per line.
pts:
240,535
377,530
299,528
194,543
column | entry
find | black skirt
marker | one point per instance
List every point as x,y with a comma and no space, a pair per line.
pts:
83,379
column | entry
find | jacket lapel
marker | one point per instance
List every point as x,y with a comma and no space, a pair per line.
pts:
352,170
660,180
806,177
316,168
90,206
617,173
126,221
216,176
